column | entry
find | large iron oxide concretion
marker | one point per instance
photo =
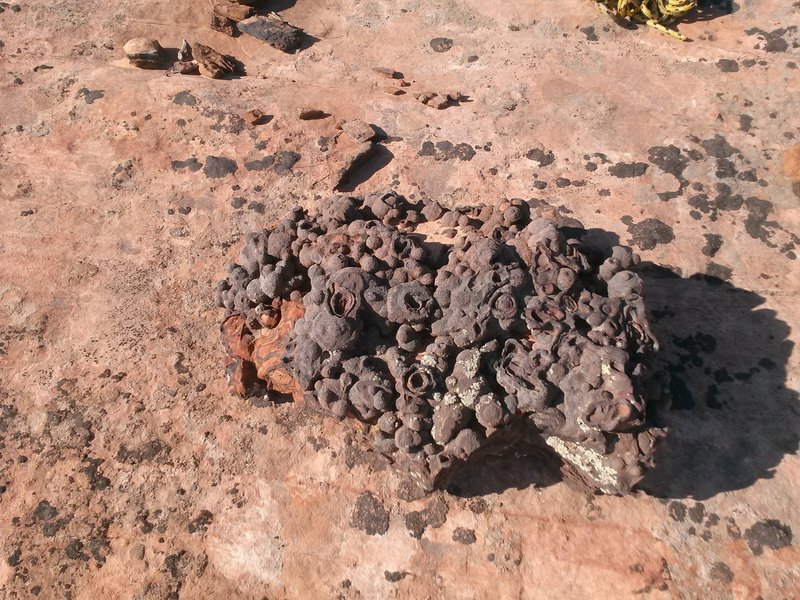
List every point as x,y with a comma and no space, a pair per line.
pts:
450,334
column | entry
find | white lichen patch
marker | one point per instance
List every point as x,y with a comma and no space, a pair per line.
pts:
450,398
471,364
470,396
587,460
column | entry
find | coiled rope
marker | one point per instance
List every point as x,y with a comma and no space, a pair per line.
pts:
655,13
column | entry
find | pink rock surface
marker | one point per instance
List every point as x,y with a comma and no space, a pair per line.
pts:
126,467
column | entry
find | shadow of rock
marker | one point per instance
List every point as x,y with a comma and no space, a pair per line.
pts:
278,5
733,418
364,170
711,9
496,473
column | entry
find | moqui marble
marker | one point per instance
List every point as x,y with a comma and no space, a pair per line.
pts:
450,333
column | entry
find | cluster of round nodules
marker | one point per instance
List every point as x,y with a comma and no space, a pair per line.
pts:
440,340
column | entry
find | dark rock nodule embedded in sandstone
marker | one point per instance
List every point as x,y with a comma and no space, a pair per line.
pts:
510,334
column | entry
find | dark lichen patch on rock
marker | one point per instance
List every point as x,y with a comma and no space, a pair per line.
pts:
219,166
672,160
719,271
369,515
774,41
541,157
185,98
280,162
191,164
201,522
726,65
721,572
726,169
464,536
261,164
590,34
434,515
745,122
285,160
628,170
89,96
697,512
445,150
649,233
74,551
718,147
15,557
677,511
770,533
713,244
394,576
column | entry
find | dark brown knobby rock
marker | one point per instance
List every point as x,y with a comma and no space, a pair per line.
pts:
274,30
452,333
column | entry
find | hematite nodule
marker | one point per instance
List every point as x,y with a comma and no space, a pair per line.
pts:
451,333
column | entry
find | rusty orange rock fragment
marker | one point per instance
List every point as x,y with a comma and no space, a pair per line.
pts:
270,347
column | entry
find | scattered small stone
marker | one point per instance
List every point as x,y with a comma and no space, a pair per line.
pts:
257,117
425,97
272,29
311,114
186,67
185,52
211,63
387,72
144,53
225,15
441,44
359,130
393,91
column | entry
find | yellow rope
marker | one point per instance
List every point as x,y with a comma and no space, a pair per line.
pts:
655,13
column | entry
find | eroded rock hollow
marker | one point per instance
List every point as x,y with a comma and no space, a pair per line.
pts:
450,333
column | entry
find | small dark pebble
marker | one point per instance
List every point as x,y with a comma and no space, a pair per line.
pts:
441,44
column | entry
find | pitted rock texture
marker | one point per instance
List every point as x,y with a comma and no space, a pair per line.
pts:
508,332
